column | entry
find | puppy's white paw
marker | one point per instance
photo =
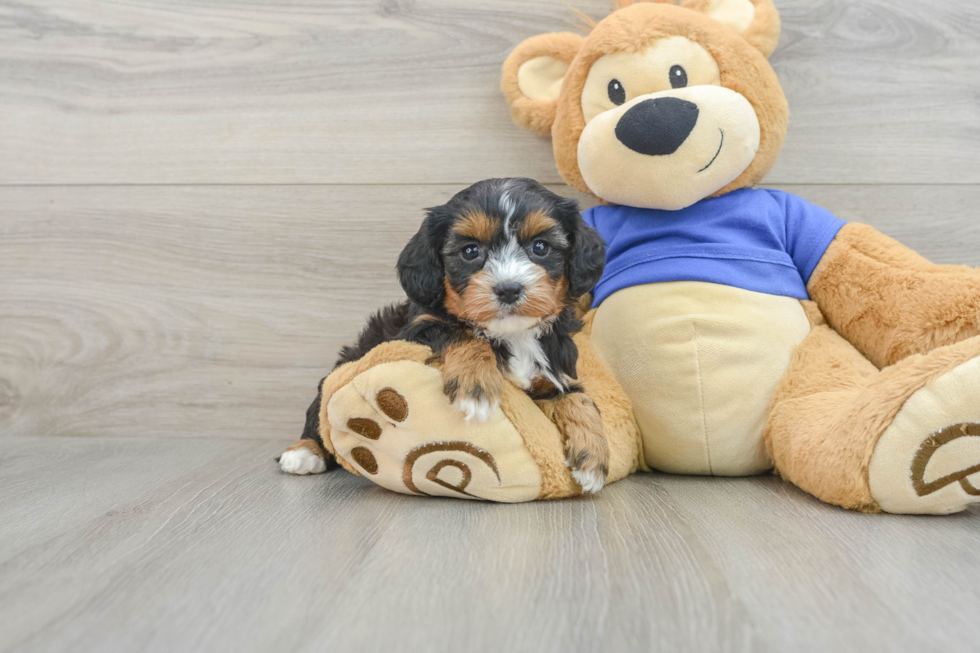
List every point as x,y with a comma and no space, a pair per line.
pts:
478,409
301,461
591,480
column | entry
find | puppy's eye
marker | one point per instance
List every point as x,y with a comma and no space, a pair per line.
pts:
617,94
678,77
470,252
540,248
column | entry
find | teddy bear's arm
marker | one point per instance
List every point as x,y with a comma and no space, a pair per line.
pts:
888,301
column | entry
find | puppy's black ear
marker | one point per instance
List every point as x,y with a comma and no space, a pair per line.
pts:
420,269
588,256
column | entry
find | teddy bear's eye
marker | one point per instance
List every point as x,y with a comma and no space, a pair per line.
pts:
678,77
617,94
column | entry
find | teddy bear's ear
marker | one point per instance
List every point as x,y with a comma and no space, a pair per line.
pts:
532,78
756,20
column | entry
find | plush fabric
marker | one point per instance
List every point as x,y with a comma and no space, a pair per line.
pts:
833,405
420,451
762,31
945,407
889,301
619,151
699,372
762,240
537,113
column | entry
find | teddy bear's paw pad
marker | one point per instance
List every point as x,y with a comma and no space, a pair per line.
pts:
395,425
392,404
364,459
928,460
364,427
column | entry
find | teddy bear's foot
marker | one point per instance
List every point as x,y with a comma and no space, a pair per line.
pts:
928,460
394,424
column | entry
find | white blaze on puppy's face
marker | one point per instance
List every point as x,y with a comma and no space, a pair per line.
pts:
510,264
507,205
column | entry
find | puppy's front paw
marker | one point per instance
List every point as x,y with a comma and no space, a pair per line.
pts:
475,399
478,409
472,380
591,480
588,458
586,448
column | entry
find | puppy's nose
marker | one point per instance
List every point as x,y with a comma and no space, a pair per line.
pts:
658,126
509,292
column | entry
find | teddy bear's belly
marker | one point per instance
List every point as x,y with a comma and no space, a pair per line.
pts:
700,363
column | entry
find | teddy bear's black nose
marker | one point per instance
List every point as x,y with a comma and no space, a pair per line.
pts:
658,126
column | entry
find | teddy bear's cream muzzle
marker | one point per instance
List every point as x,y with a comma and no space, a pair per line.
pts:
699,140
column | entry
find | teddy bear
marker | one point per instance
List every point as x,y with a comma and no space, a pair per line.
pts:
735,331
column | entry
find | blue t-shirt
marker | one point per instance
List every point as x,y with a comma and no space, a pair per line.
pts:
762,240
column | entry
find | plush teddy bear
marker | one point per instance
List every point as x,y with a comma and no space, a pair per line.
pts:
735,330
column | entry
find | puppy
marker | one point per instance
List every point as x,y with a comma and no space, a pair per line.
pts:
492,278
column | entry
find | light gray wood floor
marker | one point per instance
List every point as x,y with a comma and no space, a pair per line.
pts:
151,544
199,203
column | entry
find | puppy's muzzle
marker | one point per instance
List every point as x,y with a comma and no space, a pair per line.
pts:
658,126
508,293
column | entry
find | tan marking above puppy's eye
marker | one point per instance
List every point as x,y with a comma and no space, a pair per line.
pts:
536,223
477,225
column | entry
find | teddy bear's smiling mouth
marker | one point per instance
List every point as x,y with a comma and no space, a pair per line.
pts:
715,157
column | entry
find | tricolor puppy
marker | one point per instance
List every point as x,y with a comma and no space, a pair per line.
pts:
492,278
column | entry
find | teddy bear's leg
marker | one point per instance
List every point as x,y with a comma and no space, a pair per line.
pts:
905,439
889,301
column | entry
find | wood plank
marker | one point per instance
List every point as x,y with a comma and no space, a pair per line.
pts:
141,544
214,311
399,91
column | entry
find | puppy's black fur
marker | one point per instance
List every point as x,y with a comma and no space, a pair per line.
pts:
432,264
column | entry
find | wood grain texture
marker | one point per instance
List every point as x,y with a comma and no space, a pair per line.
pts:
406,91
214,311
141,544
